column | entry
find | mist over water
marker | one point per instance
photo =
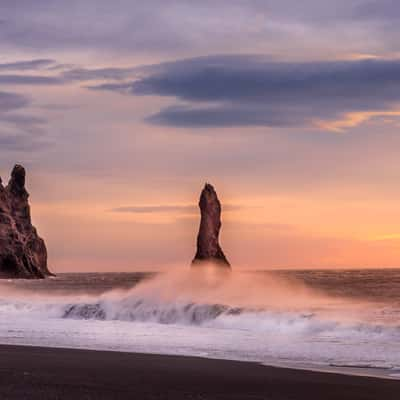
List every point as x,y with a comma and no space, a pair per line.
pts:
301,318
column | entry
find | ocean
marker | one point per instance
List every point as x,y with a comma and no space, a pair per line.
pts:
334,320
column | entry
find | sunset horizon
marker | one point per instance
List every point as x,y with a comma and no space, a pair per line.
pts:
246,227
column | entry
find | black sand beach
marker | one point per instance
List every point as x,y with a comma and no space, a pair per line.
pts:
46,373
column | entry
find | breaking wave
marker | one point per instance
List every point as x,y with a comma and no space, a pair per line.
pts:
241,301
227,317
139,310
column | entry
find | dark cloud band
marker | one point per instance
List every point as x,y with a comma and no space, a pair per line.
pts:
232,91
30,80
26,65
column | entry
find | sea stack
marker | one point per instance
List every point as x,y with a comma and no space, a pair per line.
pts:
208,249
23,253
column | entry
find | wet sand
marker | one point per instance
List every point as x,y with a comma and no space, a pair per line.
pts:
49,373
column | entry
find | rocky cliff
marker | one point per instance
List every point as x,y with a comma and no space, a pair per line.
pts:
23,253
208,248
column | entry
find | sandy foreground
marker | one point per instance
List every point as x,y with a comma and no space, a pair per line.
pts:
49,373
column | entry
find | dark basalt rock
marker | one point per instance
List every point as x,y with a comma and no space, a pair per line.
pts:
208,248
23,253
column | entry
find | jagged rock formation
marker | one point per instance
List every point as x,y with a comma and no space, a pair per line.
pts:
208,248
23,253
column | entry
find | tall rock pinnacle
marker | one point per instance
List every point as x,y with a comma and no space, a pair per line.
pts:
23,253
208,248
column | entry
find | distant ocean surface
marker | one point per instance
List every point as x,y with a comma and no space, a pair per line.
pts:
319,319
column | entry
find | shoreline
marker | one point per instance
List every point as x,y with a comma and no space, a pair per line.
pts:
48,373
351,370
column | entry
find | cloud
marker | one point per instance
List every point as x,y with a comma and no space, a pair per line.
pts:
53,25
254,91
19,131
139,71
222,116
185,27
27,65
30,80
20,143
12,101
381,18
87,74
388,10
273,81
24,123
190,209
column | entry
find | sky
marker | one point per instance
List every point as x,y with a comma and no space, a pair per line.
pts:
121,111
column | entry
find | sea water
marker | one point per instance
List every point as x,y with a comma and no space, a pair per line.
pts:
342,320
